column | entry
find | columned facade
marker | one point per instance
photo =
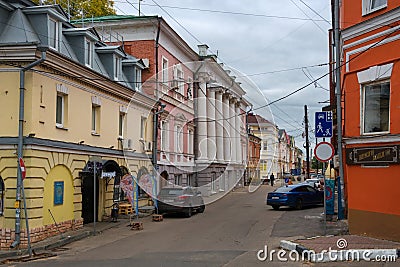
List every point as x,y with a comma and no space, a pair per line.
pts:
219,126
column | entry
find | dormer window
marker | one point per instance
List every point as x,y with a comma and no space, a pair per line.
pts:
53,33
138,79
117,67
88,53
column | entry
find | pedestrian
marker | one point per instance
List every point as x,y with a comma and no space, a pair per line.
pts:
272,179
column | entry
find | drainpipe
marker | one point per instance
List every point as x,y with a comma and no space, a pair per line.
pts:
17,240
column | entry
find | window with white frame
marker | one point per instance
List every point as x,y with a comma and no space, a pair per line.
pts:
61,105
178,138
178,80
178,179
53,33
95,119
375,107
143,121
370,6
88,53
190,141
265,145
190,88
121,124
164,135
138,79
164,73
117,67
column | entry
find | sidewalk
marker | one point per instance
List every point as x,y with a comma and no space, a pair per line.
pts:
343,246
52,243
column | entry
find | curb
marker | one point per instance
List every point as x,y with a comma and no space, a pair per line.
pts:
340,255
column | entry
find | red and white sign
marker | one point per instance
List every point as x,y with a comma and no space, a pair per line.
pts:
324,151
22,167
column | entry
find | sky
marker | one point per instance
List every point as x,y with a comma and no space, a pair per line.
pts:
262,39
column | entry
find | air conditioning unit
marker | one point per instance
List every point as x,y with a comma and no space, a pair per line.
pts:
127,144
149,146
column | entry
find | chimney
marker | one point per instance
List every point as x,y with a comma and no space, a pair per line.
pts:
203,50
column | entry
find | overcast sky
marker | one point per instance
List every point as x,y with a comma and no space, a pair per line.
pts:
268,36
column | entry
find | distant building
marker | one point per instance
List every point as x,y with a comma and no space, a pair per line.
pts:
253,160
371,118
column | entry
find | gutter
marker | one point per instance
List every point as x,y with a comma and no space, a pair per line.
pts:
20,185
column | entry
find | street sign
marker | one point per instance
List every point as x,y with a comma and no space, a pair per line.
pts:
323,124
324,151
22,167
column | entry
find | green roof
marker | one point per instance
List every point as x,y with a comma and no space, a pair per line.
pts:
111,18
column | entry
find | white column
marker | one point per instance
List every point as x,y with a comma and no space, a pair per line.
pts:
211,141
232,127
202,121
219,126
238,126
226,129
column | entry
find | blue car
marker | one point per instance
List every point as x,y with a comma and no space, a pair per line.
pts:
295,196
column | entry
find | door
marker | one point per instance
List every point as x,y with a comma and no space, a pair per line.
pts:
87,190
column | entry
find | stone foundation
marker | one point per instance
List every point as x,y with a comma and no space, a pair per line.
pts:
7,236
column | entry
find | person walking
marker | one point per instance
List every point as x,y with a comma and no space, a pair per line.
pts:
272,179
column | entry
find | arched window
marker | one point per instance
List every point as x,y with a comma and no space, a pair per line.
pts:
1,196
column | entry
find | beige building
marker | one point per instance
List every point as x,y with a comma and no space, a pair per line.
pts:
81,103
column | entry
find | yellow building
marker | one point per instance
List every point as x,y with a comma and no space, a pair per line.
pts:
81,104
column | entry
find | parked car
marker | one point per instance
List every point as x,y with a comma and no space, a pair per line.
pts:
314,182
180,200
296,196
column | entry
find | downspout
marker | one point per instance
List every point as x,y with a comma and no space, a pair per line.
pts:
22,71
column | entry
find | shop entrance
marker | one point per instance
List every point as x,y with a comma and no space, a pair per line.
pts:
87,190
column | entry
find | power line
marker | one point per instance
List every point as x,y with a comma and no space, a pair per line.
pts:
315,23
315,12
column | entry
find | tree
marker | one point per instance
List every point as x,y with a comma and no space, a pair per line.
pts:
316,164
90,8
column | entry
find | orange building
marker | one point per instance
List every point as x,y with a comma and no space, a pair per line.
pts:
370,42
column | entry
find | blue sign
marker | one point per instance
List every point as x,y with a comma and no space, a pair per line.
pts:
58,193
330,196
323,124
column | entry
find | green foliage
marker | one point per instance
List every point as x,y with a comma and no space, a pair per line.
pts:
90,8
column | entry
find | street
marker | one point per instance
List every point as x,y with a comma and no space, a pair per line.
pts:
228,233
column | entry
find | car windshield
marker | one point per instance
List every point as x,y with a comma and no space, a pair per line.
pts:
171,192
283,189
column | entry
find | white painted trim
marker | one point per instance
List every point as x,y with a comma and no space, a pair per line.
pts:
375,73
361,49
372,139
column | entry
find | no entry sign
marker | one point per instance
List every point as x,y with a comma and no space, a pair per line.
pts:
324,151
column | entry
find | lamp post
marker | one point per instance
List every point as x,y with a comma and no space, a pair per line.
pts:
157,110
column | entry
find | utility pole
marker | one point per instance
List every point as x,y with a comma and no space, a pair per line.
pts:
338,91
307,142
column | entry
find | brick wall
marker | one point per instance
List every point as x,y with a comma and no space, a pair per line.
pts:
7,236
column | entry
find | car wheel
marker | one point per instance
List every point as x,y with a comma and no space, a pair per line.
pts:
299,204
275,207
188,212
201,209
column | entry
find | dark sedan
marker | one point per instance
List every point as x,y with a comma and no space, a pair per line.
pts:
180,200
295,196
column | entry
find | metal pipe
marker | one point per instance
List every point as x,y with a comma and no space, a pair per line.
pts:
17,239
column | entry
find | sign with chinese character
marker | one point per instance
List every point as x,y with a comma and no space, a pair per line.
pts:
58,193
373,155
323,124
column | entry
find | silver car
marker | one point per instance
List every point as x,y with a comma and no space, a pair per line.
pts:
180,200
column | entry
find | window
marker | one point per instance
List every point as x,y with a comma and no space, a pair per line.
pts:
178,179
2,188
138,79
190,141
164,77
121,124
88,53
190,88
95,119
370,6
142,127
178,80
376,107
60,110
178,139
53,34
265,145
164,135
117,67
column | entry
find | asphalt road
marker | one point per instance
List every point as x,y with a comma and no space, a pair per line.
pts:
229,233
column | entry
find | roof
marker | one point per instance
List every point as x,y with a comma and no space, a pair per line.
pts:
255,118
112,18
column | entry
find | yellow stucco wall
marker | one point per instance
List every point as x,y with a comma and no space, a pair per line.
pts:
61,212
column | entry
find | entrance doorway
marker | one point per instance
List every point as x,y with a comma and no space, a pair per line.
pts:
87,190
